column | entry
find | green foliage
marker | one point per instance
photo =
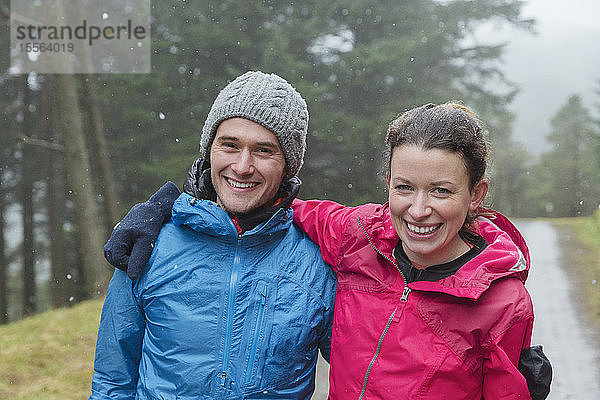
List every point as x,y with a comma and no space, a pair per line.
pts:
571,169
564,182
358,64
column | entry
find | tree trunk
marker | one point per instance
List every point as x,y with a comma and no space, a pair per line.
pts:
100,149
3,266
60,284
28,160
80,185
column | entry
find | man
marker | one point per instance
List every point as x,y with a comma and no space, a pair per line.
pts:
235,301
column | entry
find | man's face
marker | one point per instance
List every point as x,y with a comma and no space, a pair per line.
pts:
247,165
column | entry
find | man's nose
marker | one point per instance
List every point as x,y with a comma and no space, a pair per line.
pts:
244,164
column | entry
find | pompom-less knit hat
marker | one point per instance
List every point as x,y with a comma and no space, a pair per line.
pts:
270,101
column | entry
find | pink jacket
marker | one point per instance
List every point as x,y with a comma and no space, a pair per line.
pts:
457,338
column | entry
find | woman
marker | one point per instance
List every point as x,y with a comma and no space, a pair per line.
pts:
430,301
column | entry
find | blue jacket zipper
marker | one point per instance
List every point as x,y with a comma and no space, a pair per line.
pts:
230,311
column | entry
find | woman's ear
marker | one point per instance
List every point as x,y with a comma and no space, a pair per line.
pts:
478,194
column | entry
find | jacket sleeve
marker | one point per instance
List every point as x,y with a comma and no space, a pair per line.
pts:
501,377
324,222
119,343
325,343
327,326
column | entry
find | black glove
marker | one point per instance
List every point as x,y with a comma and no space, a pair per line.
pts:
536,368
130,245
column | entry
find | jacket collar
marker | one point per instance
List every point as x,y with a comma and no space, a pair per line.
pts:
209,218
505,256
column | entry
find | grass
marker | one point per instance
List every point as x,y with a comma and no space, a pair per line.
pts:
582,246
50,356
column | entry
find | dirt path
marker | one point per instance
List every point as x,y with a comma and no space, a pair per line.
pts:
561,324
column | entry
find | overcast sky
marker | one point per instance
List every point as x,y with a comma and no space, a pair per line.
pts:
561,60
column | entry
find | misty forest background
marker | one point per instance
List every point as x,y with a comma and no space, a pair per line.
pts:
77,151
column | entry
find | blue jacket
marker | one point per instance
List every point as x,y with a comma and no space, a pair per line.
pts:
217,315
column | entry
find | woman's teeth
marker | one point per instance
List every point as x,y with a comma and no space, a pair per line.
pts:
422,230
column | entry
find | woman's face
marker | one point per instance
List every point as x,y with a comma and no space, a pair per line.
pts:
429,198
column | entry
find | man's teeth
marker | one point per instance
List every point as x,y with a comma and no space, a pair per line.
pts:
241,185
421,229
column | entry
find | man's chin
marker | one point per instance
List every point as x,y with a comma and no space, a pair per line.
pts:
242,206
238,209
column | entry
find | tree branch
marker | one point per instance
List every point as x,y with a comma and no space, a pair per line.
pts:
38,142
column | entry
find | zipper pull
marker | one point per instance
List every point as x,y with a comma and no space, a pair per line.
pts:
403,299
405,293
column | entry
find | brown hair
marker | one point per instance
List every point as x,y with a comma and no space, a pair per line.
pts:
450,126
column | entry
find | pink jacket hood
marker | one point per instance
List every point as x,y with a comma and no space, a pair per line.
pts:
507,255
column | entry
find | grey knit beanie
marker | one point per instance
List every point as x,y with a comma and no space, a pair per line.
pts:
269,100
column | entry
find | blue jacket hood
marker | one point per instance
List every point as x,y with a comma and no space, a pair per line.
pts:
208,217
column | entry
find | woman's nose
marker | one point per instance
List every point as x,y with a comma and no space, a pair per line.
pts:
419,207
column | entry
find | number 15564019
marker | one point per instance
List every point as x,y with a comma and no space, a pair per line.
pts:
45,47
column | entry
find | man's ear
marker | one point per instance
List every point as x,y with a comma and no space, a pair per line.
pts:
478,194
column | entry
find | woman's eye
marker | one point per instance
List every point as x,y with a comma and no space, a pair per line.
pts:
442,191
403,188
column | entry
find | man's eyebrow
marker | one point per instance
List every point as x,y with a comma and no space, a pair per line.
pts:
267,144
224,137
